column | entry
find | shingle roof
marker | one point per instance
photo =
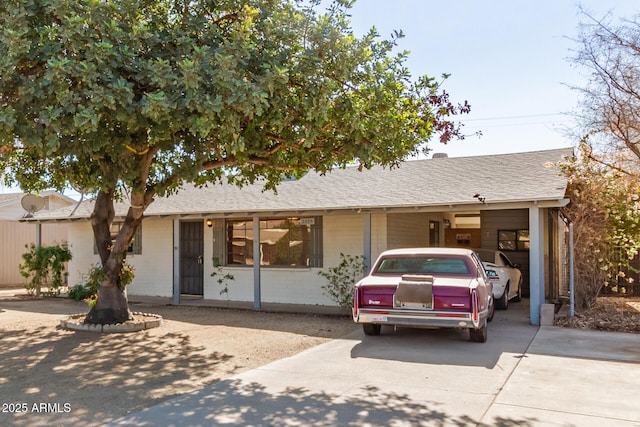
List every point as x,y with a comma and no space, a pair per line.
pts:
10,197
505,178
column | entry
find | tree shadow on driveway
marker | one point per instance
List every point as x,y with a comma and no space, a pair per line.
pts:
253,404
87,378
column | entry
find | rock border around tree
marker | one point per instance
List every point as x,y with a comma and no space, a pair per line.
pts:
141,322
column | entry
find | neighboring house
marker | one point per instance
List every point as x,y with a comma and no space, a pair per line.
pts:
14,235
509,201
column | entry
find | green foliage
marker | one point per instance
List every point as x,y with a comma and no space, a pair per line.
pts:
44,266
342,278
147,96
127,274
89,289
96,93
222,278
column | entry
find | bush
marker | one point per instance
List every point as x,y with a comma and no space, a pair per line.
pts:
89,288
44,266
342,279
88,291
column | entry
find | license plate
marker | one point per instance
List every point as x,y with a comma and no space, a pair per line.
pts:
378,318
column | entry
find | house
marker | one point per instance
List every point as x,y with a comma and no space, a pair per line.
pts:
509,201
14,235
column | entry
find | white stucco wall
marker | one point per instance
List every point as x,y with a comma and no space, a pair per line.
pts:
341,234
153,268
81,245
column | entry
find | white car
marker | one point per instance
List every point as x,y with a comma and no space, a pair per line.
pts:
509,286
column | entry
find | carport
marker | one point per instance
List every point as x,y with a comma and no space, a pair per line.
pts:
519,215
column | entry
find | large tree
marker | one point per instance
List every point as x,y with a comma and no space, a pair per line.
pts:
609,115
605,176
149,94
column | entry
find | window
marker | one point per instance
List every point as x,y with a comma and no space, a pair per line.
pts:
135,247
422,265
513,240
284,242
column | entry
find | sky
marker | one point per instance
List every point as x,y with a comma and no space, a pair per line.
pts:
510,59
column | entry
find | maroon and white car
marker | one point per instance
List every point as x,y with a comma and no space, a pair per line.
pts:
425,287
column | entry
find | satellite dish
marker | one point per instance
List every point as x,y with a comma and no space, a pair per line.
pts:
32,203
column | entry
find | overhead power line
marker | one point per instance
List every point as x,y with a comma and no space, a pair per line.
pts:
528,116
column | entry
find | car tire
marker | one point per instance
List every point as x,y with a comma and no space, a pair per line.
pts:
478,335
503,302
371,328
518,296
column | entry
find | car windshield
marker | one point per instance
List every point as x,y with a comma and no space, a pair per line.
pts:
422,265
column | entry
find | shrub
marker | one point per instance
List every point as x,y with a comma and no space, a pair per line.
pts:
89,288
88,291
342,278
222,278
44,266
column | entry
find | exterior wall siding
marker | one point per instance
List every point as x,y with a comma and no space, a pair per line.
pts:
511,219
13,238
407,230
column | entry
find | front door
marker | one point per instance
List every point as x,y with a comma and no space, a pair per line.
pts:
191,262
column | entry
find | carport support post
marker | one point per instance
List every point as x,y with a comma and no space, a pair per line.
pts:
536,260
367,241
256,263
176,261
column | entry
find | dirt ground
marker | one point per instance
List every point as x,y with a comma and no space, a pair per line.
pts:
614,314
50,376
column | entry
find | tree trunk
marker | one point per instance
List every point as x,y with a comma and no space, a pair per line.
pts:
112,306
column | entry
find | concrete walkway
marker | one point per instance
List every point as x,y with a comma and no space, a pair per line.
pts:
524,376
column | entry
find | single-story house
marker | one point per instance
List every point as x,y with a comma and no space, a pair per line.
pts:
14,235
508,201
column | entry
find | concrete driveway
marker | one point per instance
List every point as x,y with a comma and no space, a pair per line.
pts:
523,375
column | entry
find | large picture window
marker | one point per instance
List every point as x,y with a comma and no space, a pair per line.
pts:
284,242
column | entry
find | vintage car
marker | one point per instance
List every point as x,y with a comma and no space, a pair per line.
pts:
509,286
425,287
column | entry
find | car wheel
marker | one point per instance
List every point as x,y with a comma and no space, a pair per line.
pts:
371,328
518,296
478,335
503,302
